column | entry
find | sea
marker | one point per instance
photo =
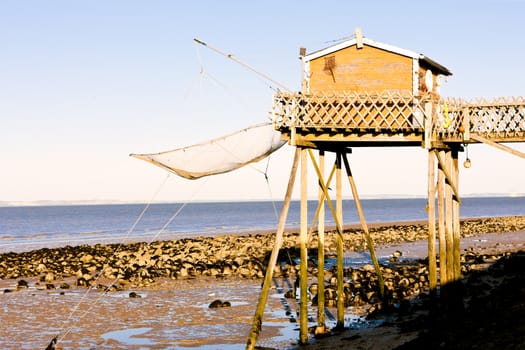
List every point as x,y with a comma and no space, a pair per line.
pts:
24,228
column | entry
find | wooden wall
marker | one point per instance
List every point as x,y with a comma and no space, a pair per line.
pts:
366,69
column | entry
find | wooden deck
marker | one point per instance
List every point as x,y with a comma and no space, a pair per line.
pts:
394,119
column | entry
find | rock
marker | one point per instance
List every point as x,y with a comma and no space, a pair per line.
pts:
49,277
313,289
219,303
134,295
290,294
82,282
22,284
41,268
85,259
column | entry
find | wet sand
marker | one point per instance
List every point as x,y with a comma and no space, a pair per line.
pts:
174,313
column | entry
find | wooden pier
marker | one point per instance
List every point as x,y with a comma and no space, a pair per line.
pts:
362,93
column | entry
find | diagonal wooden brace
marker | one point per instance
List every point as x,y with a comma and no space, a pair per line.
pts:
448,176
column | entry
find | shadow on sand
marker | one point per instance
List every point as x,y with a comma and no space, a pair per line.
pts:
484,310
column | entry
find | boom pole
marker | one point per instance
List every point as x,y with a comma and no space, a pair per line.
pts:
235,59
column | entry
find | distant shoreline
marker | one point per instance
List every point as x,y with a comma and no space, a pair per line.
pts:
44,203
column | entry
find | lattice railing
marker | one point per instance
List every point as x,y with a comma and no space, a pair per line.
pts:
450,118
384,111
494,118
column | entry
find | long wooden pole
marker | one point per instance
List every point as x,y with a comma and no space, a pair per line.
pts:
339,246
448,220
441,226
431,209
235,59
446,171
257,319
320,205
368,238
303,236
497,145
456,230
321,327
338,223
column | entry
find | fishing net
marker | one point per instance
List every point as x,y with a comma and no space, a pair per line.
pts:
220,155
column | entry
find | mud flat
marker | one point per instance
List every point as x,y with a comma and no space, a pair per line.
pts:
85,291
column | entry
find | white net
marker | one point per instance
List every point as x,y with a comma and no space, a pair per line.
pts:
220,155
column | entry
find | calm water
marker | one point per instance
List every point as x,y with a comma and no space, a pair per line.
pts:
23,228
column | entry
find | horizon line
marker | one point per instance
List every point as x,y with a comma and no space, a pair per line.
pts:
58,202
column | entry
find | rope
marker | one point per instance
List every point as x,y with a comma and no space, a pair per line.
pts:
270,190
58,337
64,331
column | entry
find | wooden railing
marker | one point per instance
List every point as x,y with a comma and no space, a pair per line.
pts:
498,118
385,111
450,119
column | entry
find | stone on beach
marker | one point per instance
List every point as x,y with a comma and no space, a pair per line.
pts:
219,303
243,256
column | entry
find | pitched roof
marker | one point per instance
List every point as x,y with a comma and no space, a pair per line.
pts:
438,68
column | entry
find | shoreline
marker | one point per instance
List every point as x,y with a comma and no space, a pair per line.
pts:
231,267
292,230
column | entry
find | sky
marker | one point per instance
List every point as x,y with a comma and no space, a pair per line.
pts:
85,83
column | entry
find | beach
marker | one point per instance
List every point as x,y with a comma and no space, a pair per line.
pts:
157,295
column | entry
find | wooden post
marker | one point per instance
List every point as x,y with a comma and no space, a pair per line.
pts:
448,176
303,234
337,219
339,246
321,327
448,220
456,230
257,319
431,209
368,238
441,226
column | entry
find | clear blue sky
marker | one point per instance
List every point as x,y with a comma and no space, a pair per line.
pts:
85,83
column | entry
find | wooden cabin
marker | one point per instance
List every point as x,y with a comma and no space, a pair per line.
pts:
364,65
362,86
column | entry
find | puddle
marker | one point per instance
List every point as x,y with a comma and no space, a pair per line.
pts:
128,336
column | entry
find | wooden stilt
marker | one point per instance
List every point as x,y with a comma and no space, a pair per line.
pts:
321,327
446,171
448,219
456,231
338,223
339,246
431,209
303,234
441,225
322,198
257,319
368,238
